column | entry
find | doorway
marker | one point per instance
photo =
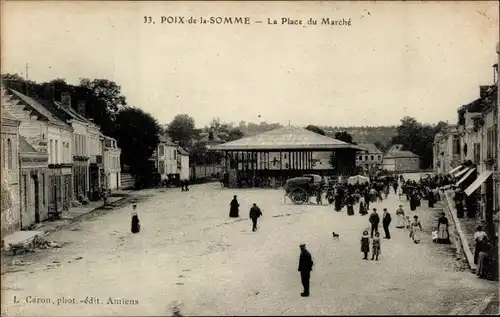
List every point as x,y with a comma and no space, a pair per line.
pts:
36,198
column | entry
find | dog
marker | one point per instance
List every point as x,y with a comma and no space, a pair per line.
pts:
336,236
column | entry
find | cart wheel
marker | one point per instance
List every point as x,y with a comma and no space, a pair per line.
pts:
299,196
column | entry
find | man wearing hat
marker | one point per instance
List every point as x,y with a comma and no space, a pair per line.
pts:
305,267
255,213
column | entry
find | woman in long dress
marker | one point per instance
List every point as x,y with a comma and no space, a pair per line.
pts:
234,210
443,233
135,226
400,214
415,229
478,237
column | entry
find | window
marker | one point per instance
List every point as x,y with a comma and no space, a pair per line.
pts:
477,153
161,150
161,167
371,157
456,145
51,152
360,158
9,153
56,152
366,157
491,143
379,157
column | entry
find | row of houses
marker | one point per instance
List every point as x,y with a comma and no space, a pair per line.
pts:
52,156
395,160
469,149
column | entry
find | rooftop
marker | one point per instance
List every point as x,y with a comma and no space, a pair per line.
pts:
182,151
370,147
289,138
35,105
401,154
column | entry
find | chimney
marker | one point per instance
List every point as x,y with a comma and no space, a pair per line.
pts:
48,92
81,108
483,91
66,100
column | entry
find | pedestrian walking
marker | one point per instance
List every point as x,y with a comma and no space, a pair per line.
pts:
443,234
400,215
255,213
234,209
186,188
415,229
376,246
478,237
386,221
374,221
136,226
395,187
305,267
365,244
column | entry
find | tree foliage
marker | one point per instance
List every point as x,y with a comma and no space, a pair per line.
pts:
344,136
137,133
315,129
182,129
418,138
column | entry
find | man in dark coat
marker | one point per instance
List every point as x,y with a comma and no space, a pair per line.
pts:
305,267
255,213
234,210
386,221
374,220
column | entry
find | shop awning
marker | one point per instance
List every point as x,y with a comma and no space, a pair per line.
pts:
480,179
462,172
472,170
456,169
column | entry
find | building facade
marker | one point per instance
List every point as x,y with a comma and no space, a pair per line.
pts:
371,158
46,133
447,150
33,184
183,164
11,216
401,162
166,156
112,167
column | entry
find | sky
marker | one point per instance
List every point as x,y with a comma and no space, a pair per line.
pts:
396,59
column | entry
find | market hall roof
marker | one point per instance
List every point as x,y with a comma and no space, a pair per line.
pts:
285,138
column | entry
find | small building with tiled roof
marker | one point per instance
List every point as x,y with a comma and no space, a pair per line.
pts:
285,152
401,162
169,159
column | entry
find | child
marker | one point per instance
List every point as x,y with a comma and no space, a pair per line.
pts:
136,227
435,236
376,246
365,244
408,222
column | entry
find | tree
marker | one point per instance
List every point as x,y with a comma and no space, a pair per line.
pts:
182,129
137,133
234,134
315,129
344,136
417,138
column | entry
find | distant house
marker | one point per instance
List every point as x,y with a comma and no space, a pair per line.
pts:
401,161
166,158
370,157
183,164
212,138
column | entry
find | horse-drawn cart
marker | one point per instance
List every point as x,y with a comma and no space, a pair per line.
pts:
300,189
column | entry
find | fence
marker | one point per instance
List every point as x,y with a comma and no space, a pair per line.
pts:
206,171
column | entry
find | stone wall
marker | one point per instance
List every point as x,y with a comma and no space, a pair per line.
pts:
10,217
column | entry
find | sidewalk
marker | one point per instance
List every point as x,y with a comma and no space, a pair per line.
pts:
44,228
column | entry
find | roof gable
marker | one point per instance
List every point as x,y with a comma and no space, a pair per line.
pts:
402,154
40,109
285,138
370,147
